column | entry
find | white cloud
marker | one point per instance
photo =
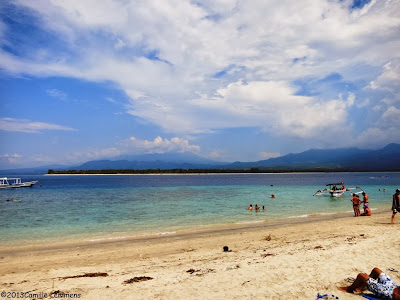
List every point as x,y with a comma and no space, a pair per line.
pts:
390,77
23,125
268,155
165,54
57,94
135,146
273,106
376,137
390,118
160,145
11,158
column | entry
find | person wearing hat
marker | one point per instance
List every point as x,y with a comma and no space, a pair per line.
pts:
395,205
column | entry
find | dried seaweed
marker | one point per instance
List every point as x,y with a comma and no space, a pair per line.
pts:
137,279
98,274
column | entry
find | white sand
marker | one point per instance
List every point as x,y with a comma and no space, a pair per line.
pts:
273,260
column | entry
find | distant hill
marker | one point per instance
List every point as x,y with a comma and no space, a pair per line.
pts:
348,159
151,161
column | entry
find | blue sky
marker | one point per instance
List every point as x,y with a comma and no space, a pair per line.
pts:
224,79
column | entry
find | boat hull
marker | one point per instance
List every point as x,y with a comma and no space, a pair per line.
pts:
18,185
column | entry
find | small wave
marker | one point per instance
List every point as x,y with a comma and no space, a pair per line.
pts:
108,238
301,216
310,215
249,222
167,232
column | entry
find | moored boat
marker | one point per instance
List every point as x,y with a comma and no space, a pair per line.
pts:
9,183
335,190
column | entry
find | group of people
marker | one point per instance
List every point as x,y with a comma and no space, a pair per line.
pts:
377,282
357,202
256,207
367,211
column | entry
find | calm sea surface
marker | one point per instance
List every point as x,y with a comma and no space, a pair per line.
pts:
66,208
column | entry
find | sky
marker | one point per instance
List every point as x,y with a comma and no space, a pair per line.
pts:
227,80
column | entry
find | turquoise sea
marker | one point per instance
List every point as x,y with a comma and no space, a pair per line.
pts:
85,207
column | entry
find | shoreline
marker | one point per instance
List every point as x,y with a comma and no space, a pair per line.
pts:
275,172
179,234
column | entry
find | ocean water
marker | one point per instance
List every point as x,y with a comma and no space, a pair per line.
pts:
94,207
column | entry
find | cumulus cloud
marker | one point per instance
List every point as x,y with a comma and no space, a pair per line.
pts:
135,146
268,155
160,145
197,66
275,107
389,79
23,125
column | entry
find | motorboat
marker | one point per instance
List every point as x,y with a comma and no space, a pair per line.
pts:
9,183
336,190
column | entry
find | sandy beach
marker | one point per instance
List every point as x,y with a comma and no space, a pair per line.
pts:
286,259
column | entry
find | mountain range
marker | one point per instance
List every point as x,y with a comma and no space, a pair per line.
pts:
348,159
345,159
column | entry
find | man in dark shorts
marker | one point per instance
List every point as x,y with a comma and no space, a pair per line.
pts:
356,204
395,205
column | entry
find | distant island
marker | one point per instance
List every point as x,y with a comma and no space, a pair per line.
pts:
160,171
194,171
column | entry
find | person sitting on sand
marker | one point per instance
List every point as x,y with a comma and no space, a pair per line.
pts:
356,204
395,205
367,212
377,282
250,207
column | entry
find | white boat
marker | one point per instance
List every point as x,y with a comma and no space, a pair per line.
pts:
9,183
336,190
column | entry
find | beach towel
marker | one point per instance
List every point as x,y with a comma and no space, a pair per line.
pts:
371,297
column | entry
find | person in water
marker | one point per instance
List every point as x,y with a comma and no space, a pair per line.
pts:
257,207
356,204
380,284
250,207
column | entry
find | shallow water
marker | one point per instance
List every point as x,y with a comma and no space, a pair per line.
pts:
60,208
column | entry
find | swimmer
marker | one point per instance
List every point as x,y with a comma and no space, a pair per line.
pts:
250,207
272,196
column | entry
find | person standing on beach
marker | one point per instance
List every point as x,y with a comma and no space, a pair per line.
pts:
395,205
365,201
356,204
